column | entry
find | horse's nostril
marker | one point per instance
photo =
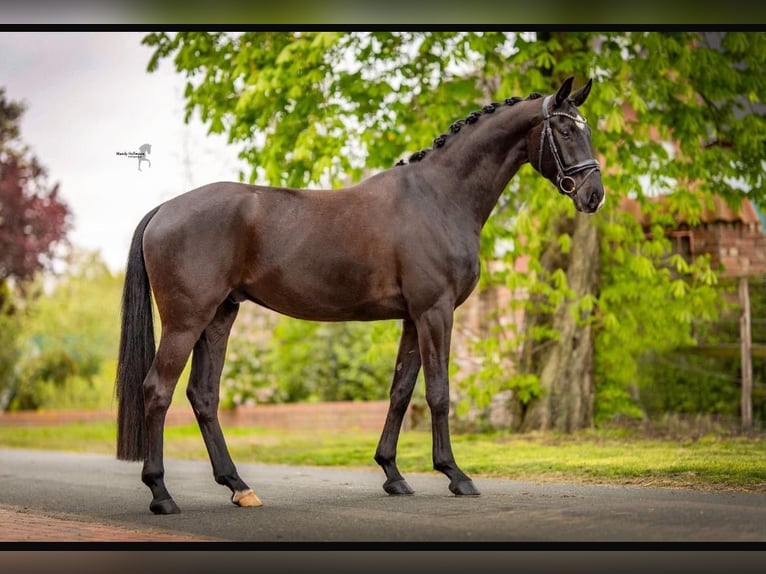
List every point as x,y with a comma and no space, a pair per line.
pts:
594,200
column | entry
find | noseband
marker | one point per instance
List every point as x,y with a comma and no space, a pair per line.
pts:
564,180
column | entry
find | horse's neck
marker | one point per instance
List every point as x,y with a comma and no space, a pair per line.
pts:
483,158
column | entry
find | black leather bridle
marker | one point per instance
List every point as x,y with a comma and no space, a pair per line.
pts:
566,184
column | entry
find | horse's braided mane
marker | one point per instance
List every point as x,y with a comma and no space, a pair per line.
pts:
472,118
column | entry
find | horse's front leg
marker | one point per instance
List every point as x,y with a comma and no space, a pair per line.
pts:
434,328
405,375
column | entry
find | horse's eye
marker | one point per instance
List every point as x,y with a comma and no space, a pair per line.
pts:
565,133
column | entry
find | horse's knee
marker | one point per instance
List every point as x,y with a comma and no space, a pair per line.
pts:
204,404
438,402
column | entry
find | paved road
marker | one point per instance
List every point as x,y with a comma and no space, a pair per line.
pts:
310,504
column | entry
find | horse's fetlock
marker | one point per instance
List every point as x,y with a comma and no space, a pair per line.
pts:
152,478
382,459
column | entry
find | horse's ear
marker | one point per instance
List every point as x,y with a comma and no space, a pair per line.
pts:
564,90
579,97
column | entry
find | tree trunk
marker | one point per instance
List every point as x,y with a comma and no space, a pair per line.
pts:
745,337
565,365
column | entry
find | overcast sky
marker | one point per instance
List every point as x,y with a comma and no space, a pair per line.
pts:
88,96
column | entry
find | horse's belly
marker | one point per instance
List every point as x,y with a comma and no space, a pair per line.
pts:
327,301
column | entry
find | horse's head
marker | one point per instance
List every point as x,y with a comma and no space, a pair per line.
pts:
560,148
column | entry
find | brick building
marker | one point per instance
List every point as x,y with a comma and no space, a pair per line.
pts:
734,239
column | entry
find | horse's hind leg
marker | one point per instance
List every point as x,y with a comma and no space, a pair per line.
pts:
203,393
172,353
405,375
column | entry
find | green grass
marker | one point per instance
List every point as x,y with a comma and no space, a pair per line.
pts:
607,457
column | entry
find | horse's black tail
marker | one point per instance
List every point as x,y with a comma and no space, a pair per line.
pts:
136,350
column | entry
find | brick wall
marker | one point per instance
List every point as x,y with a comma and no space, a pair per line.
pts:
739,247
340,416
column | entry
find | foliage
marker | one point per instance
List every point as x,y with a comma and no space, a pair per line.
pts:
33,218
307,361
34,221
9,352
711,117
305,112
672,112
690,384
707,379
69,340
647,305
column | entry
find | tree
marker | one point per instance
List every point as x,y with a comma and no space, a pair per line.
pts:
33,218
70,337
671,112
34,221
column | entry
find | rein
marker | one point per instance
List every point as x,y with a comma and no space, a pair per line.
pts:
566,183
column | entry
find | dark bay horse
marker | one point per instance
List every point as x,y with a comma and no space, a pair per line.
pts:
402,244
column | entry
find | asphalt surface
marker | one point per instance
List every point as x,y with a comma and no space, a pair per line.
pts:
336,505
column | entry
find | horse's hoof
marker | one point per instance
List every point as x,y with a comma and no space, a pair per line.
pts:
464,488
166,506
397,487
246,498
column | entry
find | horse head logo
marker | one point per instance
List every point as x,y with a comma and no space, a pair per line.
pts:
144,150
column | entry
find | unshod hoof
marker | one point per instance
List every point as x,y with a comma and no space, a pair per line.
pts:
246,498
166,506
464,488
398,487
